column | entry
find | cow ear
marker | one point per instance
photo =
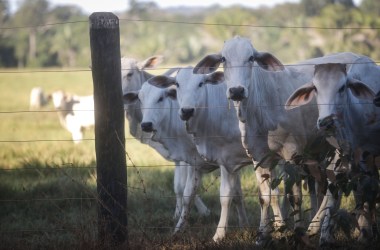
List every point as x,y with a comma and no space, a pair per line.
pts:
360,89
208,64
301,96
150,63
215,78
268,62
131,97
162,81
172,93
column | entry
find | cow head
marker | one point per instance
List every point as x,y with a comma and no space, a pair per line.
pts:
238,57
153,102
332,87
190,89
132,74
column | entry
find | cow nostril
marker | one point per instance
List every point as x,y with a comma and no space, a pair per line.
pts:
147,126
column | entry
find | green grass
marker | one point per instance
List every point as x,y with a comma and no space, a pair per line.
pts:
48,194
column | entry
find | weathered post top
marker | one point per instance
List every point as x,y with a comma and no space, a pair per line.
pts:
104,20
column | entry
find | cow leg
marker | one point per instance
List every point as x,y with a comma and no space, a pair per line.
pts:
315,224
240,204
366,197
228,183
328,223
180,176
296,202
312,187
267,197
192,184
201,207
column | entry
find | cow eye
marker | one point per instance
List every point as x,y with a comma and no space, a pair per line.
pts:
341,89
223,59
130,74
200,84
176,84
160,99
251,59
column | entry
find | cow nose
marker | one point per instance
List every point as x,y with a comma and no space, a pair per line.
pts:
187,113
147,126
326,123
237,93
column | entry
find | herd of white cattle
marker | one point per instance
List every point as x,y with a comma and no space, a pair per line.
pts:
257,111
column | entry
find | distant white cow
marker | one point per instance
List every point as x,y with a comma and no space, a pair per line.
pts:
76,113
346,113
217,136
38,99
133,76
160,119
259,84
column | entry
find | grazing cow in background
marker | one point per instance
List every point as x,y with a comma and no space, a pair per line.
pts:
259,85
161,121
38,99
352,125
217,136
76,113
133,76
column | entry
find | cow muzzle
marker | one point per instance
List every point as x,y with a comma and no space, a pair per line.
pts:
186,113
147,127
237,93
327,123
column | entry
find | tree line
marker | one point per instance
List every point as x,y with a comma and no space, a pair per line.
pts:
38,34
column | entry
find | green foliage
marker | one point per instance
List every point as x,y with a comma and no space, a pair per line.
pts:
186,35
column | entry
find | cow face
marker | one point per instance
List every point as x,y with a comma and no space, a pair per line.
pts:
191,89
333,90
238,57
132,72
154,104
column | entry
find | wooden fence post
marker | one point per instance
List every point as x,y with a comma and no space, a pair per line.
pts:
109,128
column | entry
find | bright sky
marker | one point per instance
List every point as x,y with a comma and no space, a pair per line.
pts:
90,6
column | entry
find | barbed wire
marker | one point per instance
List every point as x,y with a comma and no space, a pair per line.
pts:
143,189
166,68
205,194
195,23
197,107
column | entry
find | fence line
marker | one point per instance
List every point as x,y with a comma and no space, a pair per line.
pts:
134,166
146,138
169,108
161,68
197,23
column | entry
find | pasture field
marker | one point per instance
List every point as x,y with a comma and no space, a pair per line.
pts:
48,184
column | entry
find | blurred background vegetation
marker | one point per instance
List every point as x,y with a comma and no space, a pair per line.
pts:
184,34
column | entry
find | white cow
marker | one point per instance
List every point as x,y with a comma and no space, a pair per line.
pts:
38,99
76,113
133,76
346,113
217,136
259,85
160,119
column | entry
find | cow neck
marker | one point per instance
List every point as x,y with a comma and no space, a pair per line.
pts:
263,100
